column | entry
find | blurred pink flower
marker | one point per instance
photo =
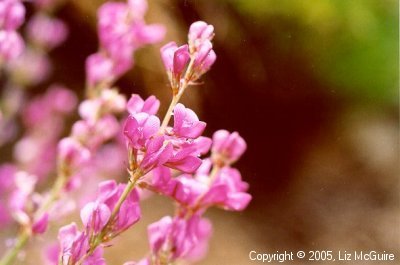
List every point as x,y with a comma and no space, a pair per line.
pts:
11,45
227,147
95,216
179,238
46,32
199,32
108,194
72,153
12,14
40,225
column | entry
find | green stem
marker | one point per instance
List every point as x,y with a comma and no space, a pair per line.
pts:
54,194
99,238
128,188
176,97
168,115
11,254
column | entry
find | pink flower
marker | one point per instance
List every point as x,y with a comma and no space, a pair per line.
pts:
186,153
201,228
40,226
175,60
50,254
99,69
95,216
237,198
227,147
72,153
114,28
31,67
90,109
186,123
184,161
156,153
199,32
139,128
138,8
160,180
179,238
147,34
136,104
47,32
122,29
188,190
167,55
204,58
11,45
61,99
227,190
108,194
112,101
73,244
12,14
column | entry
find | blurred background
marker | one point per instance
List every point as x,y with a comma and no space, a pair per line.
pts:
313,88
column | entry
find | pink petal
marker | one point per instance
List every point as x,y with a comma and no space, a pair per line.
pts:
95,216
40,226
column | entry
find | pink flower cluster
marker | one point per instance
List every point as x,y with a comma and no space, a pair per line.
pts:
98,221
122,30
156,152
30,64
43,117
179,148
185,236
34,154
168,156
12,15
19,200
97,125
199,52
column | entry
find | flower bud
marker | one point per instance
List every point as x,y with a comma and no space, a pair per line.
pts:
167,55
12,14
47,32
199,32
11,45
227,147
40,226
181,59
99,69
72,152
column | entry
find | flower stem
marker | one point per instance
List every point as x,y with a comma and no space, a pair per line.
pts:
10,256
54,194
99,238
128,188
176,97
168,115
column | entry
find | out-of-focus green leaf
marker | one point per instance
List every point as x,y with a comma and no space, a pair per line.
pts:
353,45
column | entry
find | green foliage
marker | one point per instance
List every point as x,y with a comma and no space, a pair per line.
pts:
353,45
